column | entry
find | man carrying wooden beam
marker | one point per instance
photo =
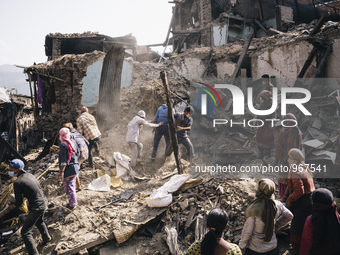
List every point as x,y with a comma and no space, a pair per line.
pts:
27,186
182,125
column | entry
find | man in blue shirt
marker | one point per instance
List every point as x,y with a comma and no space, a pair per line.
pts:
161,130
182,125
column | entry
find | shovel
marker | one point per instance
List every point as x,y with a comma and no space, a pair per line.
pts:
126,195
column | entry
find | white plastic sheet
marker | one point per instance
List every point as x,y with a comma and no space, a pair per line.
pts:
162,196
102,183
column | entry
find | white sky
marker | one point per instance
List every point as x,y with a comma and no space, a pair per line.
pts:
24,24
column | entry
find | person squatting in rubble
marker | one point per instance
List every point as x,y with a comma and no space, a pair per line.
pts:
82,145
289,137
262,216
321,232
27,186
298,195
265,134
213,242
68,166
182,125
87,126
132,136
161,130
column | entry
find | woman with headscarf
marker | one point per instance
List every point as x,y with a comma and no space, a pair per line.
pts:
321,233
289,137
68,166
265,133
298,196
262,216
82,144
213,242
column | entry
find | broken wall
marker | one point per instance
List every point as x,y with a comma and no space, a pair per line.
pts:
284,61
68,72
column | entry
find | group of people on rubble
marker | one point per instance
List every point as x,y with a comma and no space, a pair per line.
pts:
75,147
315,222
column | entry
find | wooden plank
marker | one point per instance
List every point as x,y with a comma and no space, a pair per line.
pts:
319,24
171,119
260,25
306,65
17,250
34,113
100,240
190,216
244,80
11,149
242,57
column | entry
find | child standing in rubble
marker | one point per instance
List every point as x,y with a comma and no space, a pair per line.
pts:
68,165
213,242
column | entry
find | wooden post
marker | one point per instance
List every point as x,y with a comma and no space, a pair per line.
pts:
109,90
278,18
319,24
305,66
171,119
241,58
33,105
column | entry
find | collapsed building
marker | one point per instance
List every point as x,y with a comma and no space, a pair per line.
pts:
211,43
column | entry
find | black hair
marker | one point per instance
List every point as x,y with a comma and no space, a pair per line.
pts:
189,109
217,221
266,76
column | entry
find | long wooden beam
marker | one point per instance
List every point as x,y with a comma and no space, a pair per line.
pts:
171,119
242,57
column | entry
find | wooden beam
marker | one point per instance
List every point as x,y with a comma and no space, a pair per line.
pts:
171,119
11,149
319,24
278,18
306,65
242,57
297,10
32,100
260,25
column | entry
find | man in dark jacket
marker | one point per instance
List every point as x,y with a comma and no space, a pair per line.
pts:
27,186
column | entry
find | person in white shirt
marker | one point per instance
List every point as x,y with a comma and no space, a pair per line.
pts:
263,215
132,135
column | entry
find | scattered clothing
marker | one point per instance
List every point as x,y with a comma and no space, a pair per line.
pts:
87,126
321,232
195,249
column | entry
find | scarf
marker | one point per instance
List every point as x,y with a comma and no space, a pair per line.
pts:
326,222
296,161
264,207
64,137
